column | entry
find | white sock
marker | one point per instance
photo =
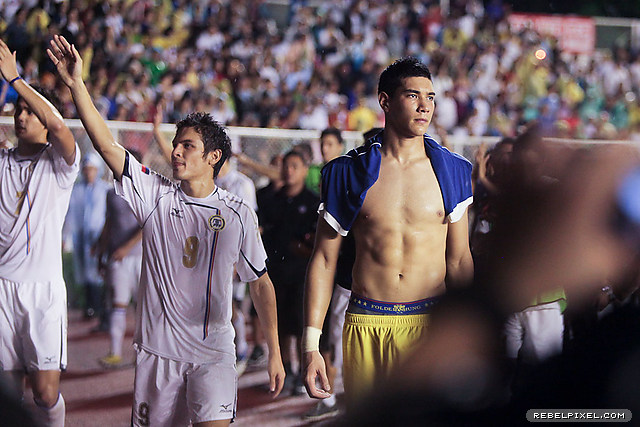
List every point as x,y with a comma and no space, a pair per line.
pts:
117,329
331,400
241,333
51,417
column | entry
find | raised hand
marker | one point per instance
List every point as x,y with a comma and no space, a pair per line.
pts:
165,146
66,59
159,114
8,66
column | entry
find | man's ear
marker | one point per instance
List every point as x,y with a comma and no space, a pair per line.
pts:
214,156
383,100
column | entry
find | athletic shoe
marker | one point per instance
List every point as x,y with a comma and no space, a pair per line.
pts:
241,363
111,362
321,411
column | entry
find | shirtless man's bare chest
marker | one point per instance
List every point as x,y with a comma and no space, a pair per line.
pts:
400,234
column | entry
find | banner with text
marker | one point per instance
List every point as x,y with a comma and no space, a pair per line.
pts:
574,34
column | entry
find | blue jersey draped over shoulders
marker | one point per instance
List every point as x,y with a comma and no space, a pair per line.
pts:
346,180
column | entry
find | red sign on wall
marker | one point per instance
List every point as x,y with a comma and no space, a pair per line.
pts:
575,35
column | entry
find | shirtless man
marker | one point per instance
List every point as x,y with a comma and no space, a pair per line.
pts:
405,198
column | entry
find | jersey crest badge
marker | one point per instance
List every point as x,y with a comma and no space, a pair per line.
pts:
216,223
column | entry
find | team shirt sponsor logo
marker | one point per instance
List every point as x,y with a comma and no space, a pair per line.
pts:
216,223
176,212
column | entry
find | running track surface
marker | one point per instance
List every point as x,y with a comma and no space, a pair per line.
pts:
95,396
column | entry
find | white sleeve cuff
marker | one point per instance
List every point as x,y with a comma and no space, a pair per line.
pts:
331,220
458,211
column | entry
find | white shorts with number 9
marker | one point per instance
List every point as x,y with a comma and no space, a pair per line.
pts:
171,393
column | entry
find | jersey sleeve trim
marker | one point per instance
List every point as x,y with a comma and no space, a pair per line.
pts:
453,173
345,182
126,172
333,223
458,212
258,273
125,169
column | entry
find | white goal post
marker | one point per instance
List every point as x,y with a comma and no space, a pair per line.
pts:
259,143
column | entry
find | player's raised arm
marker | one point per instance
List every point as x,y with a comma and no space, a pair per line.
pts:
165,146
69,65
57,131
271,172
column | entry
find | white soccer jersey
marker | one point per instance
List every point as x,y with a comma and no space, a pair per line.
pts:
34,198
190,246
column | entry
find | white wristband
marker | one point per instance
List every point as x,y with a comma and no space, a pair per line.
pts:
311,339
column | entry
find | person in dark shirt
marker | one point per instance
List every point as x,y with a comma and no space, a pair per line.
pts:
263,197
288,220
274,185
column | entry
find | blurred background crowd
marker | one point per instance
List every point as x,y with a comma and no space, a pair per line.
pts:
235,61
317,69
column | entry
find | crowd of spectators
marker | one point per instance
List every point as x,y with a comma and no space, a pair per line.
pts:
232,59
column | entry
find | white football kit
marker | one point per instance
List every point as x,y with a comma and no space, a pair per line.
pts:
34,198
190,246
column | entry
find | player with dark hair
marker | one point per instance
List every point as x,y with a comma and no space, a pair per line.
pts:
213,136
193,234
394,75
405,198
35,186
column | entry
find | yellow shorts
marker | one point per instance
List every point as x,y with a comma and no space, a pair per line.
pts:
373,346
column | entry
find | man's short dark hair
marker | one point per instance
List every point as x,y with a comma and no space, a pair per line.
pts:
294,153
332,131
391,78
49,95
213,134
304,150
